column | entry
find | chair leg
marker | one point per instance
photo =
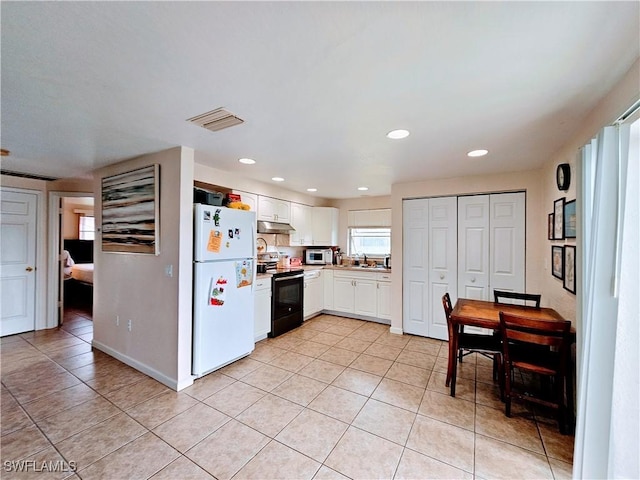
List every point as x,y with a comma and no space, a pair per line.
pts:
507,389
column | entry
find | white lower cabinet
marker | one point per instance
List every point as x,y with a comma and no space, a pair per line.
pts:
343,293
365,298
384,296
313,293
355,292
327,276
262,305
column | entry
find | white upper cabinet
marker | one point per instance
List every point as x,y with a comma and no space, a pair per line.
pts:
273,209
325,226
250,199
301,221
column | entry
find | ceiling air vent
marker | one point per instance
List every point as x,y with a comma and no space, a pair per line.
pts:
217,119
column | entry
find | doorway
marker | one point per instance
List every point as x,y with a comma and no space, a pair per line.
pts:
71,260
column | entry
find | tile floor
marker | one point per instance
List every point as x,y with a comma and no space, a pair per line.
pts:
336,398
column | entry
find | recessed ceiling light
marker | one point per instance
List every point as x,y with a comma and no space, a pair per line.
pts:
312,189
398,134
277,179
247,161
363,189
477,153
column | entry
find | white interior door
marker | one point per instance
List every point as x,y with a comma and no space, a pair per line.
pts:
415,266
473,247
443,261
18,214
507,240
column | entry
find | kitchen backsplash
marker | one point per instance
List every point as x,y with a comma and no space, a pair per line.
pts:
280,243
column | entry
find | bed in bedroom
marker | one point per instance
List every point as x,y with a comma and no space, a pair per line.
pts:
78,272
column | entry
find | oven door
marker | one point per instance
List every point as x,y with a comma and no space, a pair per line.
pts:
286,304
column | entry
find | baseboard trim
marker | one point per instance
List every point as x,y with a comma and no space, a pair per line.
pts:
396,330
356,316
144,368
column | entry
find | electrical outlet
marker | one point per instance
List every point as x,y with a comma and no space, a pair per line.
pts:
129,324
168,270
117,320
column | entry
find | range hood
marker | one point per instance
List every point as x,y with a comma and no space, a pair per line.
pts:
274,227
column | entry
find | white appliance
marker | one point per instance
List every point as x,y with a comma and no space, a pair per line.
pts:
223,281
318,256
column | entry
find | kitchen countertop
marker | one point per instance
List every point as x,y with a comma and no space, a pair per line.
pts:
328,267
380,269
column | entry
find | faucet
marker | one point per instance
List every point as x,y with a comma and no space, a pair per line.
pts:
365,259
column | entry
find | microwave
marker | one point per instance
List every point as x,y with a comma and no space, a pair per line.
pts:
319,256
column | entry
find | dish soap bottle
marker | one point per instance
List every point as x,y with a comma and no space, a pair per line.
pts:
356,260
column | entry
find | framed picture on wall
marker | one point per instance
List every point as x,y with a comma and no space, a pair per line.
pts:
130,211
558,219
550,225
570,219
557,261
569,282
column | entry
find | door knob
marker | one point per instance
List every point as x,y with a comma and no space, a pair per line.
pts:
473,280
441,276
29,269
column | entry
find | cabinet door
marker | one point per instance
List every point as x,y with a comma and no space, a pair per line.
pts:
301,222
507,236
250,199
282,211
366,297
328,289
443,258
325,226
316,298
415,264
262,314
384,300
266,208
343,291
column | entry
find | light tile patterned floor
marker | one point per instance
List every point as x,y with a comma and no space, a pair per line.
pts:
335,398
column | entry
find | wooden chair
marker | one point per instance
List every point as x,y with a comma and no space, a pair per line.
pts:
539,347
498,295
486,345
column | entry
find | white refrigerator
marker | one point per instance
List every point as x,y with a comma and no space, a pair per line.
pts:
223,282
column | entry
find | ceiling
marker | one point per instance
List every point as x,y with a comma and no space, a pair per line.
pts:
318,84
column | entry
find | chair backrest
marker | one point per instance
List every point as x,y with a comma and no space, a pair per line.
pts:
446,304
524,297
531,330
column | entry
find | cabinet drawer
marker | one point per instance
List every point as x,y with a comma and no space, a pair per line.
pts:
354,274
263,284
384,277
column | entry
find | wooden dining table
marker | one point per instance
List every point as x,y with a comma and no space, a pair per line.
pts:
485,314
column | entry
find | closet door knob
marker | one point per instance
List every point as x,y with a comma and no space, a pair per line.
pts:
473,280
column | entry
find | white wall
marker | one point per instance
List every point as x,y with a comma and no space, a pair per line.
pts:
605,113
536,222
135,287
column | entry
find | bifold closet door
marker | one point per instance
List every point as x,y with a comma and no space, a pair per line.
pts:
443,261
507,241
473,247
415,266
429,264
